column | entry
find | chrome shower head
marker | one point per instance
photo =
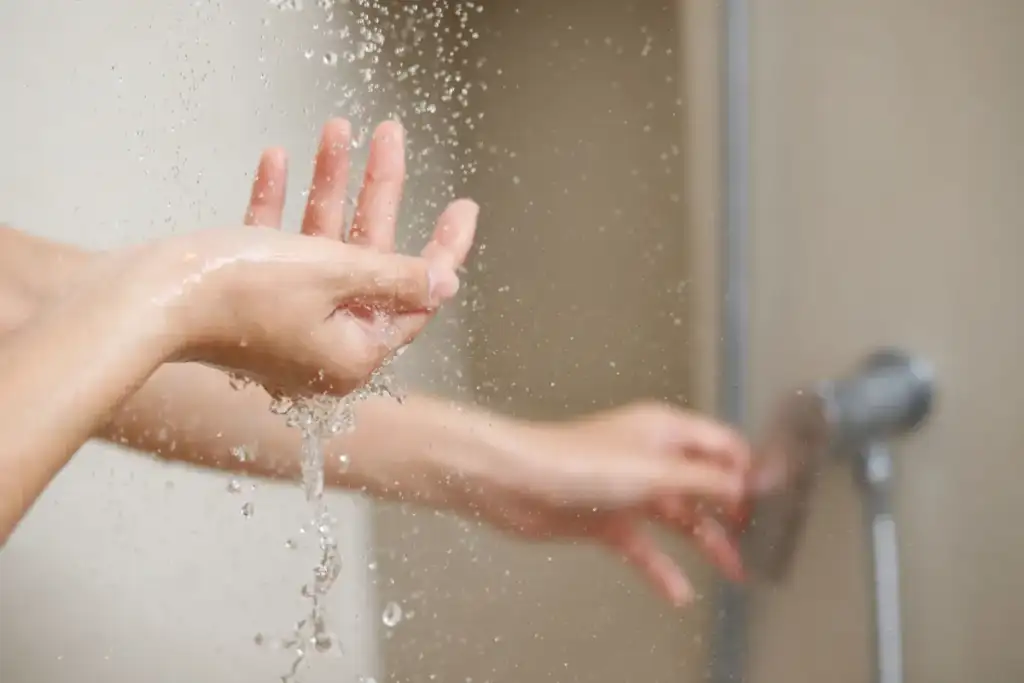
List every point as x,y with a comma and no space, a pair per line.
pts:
890,394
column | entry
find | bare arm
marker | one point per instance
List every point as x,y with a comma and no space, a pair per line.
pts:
190,413
64,372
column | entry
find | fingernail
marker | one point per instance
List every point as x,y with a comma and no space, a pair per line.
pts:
682,598
443,283
388,131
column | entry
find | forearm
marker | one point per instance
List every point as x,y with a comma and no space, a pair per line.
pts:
31,268
408,451
63,373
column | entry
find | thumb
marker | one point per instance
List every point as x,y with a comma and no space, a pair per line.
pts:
393,282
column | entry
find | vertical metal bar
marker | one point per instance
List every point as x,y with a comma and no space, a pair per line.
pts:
728,648
876,477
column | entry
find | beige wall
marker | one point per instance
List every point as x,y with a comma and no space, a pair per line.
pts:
581,296
127,121
887,171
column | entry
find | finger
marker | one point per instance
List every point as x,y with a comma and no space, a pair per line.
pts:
454,233
641,551
702,438
266,201
719,548
710,537
377,208
325,208
452,240
391,283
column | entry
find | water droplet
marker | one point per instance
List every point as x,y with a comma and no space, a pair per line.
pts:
322,642
331,58
248,509
281,405
241,453
234,486
392,614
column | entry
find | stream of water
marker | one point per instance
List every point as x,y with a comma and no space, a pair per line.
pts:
317,419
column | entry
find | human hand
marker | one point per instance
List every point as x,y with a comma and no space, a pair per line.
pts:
607,476
376,212
282,309
365,326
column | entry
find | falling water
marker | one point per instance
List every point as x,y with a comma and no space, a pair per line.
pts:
319,418
407,61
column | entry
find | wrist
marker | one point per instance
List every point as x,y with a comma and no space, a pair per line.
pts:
33,272
160,282
128,288
429,452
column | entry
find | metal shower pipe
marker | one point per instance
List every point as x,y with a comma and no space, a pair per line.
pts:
729,642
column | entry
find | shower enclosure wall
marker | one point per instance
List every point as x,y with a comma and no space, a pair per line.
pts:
887,162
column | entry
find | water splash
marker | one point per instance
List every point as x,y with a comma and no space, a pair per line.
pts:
405,60
319,418
392,614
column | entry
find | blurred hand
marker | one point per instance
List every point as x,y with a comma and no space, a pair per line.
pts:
607,476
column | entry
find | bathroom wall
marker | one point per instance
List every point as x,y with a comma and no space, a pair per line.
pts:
580,300
122,122
887,165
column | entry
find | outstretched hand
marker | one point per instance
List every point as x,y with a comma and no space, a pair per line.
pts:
608,476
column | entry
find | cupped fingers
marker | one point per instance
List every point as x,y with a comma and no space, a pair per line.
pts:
640,549
266,201
699,483
706,439
713,540
690,435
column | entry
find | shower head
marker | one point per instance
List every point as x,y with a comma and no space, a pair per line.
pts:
891,393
